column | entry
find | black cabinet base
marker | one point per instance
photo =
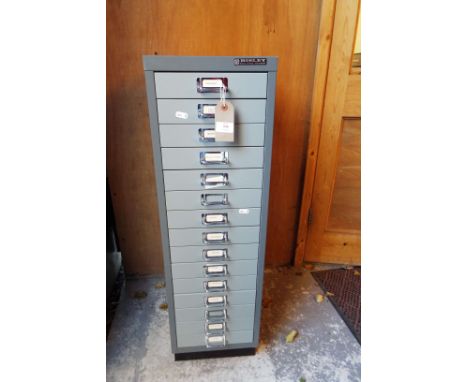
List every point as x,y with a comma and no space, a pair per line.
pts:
214,354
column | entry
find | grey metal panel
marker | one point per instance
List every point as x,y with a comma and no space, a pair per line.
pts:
198,314
246,110
205,63
189,158
270,115
194,218
184,85
191,200
192,254
197,270
246,134
197,285
193,236
152,109
199,326
178,180
198,339
197,300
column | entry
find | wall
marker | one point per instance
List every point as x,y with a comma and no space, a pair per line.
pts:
287,29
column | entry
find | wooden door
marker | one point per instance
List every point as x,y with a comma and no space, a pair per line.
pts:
330,223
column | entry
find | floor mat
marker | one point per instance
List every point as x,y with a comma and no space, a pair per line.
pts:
345,285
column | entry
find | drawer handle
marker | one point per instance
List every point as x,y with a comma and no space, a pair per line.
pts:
221,200
215,340
215,219
206,110
215,237
216,301
214,180
215,270
215,286
216,327
211,85
206,135
215,254
215,315
214,157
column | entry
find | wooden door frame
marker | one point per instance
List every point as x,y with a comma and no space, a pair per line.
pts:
327,27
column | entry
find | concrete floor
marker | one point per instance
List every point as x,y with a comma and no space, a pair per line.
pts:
138,347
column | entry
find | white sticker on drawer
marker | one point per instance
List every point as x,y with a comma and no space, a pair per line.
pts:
214,178
215,253
215,299
208,134
244,211
215,236
212,83
214,218
181,114
209,109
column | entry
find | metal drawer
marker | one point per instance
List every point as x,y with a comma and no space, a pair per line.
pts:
214,269
213,200
199,136
199,285
220,157
199,339
192,254
219,218
213,236
185,85
193,179
247,110
198,300
186,328
199,314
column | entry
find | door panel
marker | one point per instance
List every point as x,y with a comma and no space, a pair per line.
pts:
330,225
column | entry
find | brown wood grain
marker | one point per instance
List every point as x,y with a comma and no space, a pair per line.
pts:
280,28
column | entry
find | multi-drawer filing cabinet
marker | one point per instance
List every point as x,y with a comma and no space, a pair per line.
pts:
212,195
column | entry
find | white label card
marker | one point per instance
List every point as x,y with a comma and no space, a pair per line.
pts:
215,269
212,83
215,236
214,157
214,178
181,114
215,326
215,253
214,218
215,300
209,109
244,211
209,133
215,284
215,339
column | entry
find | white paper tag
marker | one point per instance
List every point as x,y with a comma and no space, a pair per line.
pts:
215,269
215,299
214,179
224,127
214,218
212,83
181,114
244,211
215,253
208,134
209,109
215,236
215,339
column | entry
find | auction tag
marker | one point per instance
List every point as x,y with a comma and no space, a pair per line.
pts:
224,122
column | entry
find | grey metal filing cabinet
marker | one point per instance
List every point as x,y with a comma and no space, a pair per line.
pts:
213,215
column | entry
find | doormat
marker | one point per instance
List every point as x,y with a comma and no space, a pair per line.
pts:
344,287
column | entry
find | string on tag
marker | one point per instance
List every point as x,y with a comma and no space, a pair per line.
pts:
223,96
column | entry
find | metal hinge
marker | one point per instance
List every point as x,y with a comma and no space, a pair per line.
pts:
309,217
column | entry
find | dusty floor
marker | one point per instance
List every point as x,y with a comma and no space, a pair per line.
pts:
138,347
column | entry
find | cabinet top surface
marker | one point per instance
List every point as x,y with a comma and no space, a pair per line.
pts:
210,63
